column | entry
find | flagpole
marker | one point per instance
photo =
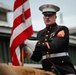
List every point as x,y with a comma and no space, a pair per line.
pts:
24,26
22,56
23,19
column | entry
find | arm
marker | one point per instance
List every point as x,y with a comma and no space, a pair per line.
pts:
57,42
33,53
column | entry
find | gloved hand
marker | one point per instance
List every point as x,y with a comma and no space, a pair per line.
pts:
29,47
43,47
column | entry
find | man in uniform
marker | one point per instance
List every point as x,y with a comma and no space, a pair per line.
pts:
52,44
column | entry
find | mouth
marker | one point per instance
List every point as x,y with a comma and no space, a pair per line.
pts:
47,21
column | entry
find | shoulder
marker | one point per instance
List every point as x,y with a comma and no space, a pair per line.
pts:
59,28
41,31
62,27
63,30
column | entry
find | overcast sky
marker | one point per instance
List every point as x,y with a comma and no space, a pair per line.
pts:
67,8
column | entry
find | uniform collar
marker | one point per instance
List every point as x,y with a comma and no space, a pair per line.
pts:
51,26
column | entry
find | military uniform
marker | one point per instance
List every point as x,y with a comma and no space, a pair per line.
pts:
58,52
52,45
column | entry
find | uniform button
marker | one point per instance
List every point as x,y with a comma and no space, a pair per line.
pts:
62,61
50,27
47,52
38,42
45,39
43,43
46,35
48,31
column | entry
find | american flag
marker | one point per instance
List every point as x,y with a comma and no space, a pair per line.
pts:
21,30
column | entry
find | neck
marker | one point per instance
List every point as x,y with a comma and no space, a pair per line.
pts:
52,25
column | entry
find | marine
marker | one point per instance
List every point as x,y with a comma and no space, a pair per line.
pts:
52,44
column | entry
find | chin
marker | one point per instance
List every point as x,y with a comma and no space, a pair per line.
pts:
47,25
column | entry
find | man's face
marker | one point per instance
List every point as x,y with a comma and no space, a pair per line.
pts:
48,19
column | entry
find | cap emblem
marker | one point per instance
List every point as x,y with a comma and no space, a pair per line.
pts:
47,6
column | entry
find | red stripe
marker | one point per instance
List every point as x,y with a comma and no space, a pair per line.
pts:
18,3
20,38
19,20
24,35
15,59
27,13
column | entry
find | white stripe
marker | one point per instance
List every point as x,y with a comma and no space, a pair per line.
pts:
18,10
26,5
18,54
56,55
19,29
17,51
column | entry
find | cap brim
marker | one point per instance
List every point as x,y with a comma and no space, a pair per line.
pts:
51,6
48,13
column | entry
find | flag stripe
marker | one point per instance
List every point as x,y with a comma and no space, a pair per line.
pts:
27,14
18,3
21,38
18,11
19,29
16,57
18,14
18,20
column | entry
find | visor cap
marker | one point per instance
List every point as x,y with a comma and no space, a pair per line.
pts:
49,9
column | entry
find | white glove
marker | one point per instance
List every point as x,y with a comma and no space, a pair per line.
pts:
29,46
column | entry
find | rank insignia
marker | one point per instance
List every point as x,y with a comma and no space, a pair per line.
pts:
61,33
